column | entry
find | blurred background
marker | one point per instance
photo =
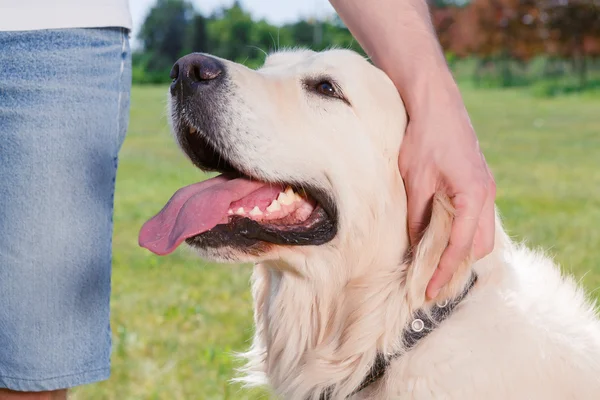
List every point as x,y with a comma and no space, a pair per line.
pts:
551,44
529,72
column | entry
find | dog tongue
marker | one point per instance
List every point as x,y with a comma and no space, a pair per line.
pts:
193,210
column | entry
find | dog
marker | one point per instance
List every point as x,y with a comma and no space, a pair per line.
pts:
309,190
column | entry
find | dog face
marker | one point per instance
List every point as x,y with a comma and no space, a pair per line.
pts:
307,147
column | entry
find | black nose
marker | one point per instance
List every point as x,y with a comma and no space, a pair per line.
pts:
195,72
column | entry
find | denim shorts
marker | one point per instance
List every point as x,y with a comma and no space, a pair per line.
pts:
64,105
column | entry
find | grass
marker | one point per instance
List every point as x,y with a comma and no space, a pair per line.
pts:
176,320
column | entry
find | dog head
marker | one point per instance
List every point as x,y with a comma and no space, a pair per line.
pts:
307,148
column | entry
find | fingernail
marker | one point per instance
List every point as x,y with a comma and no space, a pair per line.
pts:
433,293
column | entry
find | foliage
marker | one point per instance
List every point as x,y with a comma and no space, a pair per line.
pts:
506,36
173,29
163,33
498,31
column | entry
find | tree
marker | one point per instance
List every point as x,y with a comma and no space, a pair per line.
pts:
198,36
497,31
230,30
571,29
302,33
269,38
163,33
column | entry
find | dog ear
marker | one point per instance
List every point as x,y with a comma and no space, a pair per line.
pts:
425,256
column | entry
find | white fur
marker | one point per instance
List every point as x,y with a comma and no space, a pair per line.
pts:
323,312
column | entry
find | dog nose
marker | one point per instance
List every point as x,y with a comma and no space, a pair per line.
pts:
195,71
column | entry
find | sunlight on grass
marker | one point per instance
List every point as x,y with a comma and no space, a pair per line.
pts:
177,320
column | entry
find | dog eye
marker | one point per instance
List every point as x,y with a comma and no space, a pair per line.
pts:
326,88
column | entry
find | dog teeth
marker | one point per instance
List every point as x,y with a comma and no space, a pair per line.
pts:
284,199
274,206
193,130
280,197
288,197
256,212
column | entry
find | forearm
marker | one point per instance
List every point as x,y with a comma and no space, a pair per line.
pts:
400,39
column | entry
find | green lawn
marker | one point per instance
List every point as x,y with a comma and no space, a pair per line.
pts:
176,320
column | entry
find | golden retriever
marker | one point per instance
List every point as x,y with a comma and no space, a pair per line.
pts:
309,191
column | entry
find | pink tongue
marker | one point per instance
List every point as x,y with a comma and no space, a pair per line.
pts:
193,210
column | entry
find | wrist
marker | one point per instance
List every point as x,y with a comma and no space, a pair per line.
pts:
431,92
425,82
429,86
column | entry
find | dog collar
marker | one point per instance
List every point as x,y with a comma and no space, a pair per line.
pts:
421,325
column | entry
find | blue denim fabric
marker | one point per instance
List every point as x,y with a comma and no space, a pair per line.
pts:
64,104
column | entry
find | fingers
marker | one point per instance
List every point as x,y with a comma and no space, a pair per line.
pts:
419,212
483,243
468,209
420,183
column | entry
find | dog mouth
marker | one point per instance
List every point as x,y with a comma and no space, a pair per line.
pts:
236,209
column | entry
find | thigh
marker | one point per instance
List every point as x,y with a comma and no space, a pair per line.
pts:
64,102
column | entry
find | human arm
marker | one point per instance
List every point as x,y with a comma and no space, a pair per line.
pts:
440,151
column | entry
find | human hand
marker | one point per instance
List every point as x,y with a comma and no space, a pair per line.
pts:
440,153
